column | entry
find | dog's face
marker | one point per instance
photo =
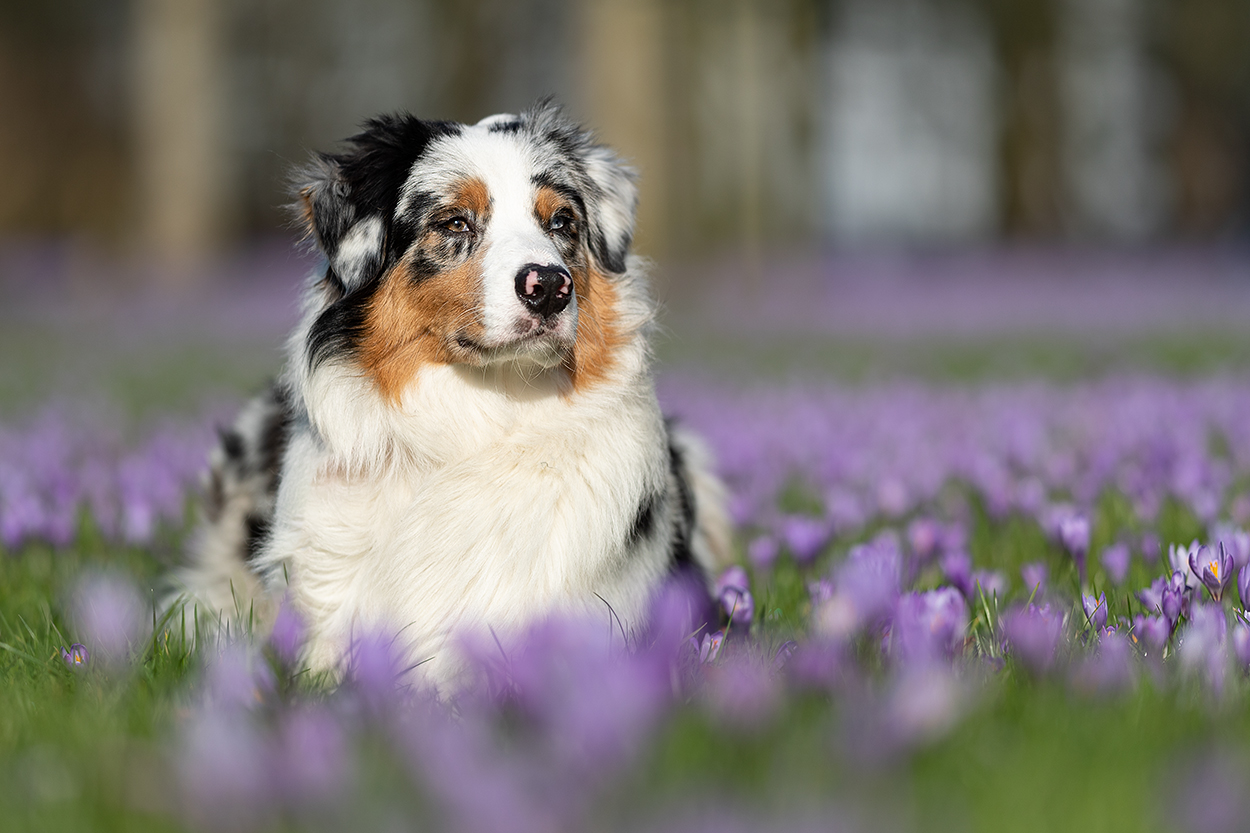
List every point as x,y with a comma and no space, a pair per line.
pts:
468,244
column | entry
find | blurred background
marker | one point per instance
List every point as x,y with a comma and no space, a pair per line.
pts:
167,126
852,167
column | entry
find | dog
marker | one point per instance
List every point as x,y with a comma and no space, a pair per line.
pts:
466,434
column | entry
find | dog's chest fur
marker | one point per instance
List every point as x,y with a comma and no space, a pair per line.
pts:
488,499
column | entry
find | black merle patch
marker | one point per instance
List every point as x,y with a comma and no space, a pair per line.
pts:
644,520
340,190
683,525
258,529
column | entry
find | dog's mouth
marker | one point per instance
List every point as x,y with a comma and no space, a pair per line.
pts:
542,345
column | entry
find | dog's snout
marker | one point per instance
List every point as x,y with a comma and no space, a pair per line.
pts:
545,290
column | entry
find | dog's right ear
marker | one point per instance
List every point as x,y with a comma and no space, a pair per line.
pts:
346,201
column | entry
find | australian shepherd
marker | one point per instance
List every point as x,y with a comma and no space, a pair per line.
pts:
466,434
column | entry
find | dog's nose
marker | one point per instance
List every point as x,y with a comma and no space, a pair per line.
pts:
545,290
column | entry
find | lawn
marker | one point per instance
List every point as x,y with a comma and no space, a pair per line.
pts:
965,602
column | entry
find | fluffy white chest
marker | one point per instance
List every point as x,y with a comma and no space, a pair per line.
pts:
494,508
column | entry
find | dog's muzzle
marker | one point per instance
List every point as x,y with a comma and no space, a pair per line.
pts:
545,290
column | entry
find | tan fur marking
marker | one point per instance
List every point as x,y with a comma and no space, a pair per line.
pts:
473,195
547,203
599,335
306,213
411,324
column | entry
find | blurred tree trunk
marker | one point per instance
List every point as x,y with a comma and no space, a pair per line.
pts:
623,93
185,188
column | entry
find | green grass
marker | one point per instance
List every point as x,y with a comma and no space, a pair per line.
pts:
85,752
953,358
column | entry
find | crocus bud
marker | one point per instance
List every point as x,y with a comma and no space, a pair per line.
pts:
1095,610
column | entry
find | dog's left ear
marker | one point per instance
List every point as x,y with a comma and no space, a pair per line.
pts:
347,200
612,209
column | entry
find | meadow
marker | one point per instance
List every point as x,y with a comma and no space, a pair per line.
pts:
994,566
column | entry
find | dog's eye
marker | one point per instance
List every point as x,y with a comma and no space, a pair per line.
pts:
562,222
458,225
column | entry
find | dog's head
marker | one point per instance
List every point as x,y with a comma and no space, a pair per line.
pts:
468,244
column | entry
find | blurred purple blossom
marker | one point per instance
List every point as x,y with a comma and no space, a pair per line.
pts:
1115,560
805,537
743,691
1033,635
957,567
237,677
108,613
313,766
991,583
1235,540
1109,668
930,626
1073,532
1241,644
763,551
1180,557
923,536
226,771
1152,633
1202,645
1034,574
288,634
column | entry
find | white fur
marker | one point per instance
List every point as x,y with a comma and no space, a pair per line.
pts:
358,247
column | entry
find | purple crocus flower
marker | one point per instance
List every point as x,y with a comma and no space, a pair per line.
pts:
1033,633
1095,610
709,646
1152,632
76,656
1172,602
1214,569
733,593
1243,586
1115,560
1152,596
1241,644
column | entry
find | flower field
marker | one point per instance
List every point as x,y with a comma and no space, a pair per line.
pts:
986,604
